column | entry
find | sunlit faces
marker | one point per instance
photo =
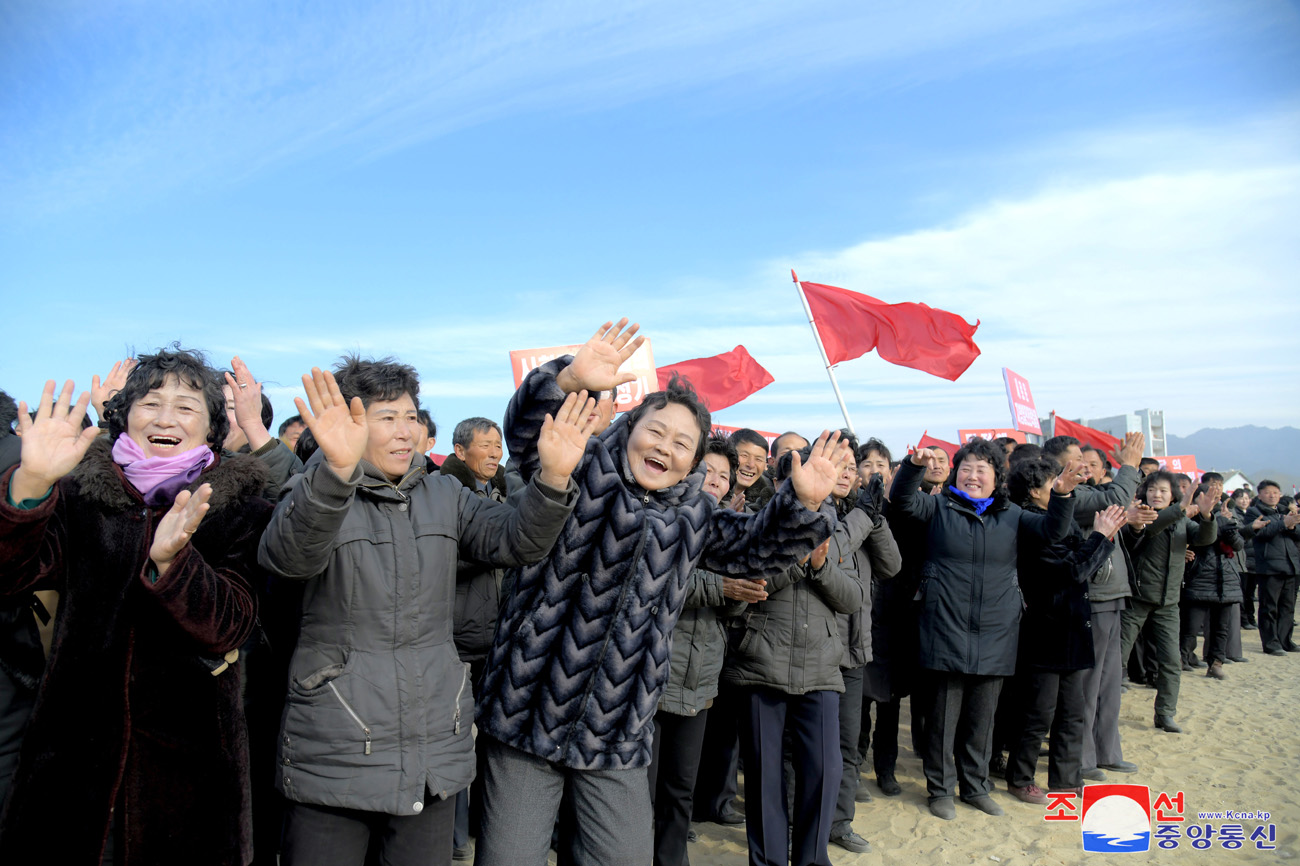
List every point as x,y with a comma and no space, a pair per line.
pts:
1159,495
391,441
1270,495
717,475
844,483
661,447
976,478
874,463
753,459
169,420
292,434
483,455
786,443
939,474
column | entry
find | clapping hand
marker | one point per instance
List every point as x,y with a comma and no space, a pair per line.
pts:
178,526
595,366
1140,515
1129,452
1259,523
245,394
813,481
563,439
1290,519
52,444
1070,476
740,589
818,556
1204,505
100,394
340,428
1109,521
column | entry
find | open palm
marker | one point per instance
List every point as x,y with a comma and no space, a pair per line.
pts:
595,366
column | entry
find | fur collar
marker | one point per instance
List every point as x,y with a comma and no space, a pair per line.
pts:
615,441
234,479
456,468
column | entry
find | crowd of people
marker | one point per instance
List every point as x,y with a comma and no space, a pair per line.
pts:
325,647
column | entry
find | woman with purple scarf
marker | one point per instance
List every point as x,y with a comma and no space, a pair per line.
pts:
136,751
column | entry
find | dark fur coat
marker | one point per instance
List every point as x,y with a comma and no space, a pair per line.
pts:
129,716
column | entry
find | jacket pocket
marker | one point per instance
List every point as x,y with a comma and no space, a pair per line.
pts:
754,624
318,679
365,729
460,693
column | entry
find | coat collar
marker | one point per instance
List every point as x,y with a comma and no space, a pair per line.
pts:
615,441
234,479
456,468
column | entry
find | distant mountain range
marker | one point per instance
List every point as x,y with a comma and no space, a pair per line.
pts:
1259,452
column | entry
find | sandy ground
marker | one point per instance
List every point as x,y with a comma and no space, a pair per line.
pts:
1240,750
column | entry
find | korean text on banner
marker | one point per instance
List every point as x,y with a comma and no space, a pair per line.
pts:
1181,463
628,396
1024,417
990,433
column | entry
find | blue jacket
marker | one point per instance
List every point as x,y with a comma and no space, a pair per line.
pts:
582,648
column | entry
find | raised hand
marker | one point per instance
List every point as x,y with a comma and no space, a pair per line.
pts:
1069,478
737,503
1259,523
178,526
740,589
563,439
341,430
1290,519
818,557
595,366
245,394
1109,521
1129,452
52,444
1205,504
100,394
813,481
925,457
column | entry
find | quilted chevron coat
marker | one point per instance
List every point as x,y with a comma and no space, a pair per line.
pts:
582,649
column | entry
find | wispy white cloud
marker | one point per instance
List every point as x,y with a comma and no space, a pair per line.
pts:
121,98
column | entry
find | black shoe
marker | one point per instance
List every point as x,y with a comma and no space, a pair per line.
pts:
1167,723
942,807
1292,649
1187,665
1249,626
863,794
1238,659
889,785
692,836
986,805
1277,652
1094,775
1120,767
851,841
1197,663
730,815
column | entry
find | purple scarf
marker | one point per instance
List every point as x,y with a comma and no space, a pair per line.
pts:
159,479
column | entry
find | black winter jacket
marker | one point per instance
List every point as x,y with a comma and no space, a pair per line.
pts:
478,585
1277,549
1215,574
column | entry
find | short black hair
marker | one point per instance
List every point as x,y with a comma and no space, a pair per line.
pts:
1027,451
1267,482
1161,475
1029,475
1058,445
1148,461
429,424
465,431
679,391
268,413
306,445
1183,476
8,413
1006,442
982,449
745,436
874,446
718,443
1211,477
383,380
777,441
846,435
191,368
1105,461
786,463
289,422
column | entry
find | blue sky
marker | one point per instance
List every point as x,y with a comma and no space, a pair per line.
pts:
1113,189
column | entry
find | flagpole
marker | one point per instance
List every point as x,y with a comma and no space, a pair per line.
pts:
830,370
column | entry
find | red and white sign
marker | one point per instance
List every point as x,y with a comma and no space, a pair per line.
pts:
628,396
1177,463
990,433
1024,416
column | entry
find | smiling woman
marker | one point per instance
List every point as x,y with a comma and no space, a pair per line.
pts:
151,539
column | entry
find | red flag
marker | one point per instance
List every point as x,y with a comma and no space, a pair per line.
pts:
722,380
1103,442
928,441
911,334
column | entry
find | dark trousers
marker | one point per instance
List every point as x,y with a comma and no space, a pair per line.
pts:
1101,689
329,836
1053,701
674,764
813,721
1215,620
850,757
1277,611
959,733
1163,618
1248,584
882,738
715,784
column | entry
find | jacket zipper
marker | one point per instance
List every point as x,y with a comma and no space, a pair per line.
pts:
464,678
353,713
